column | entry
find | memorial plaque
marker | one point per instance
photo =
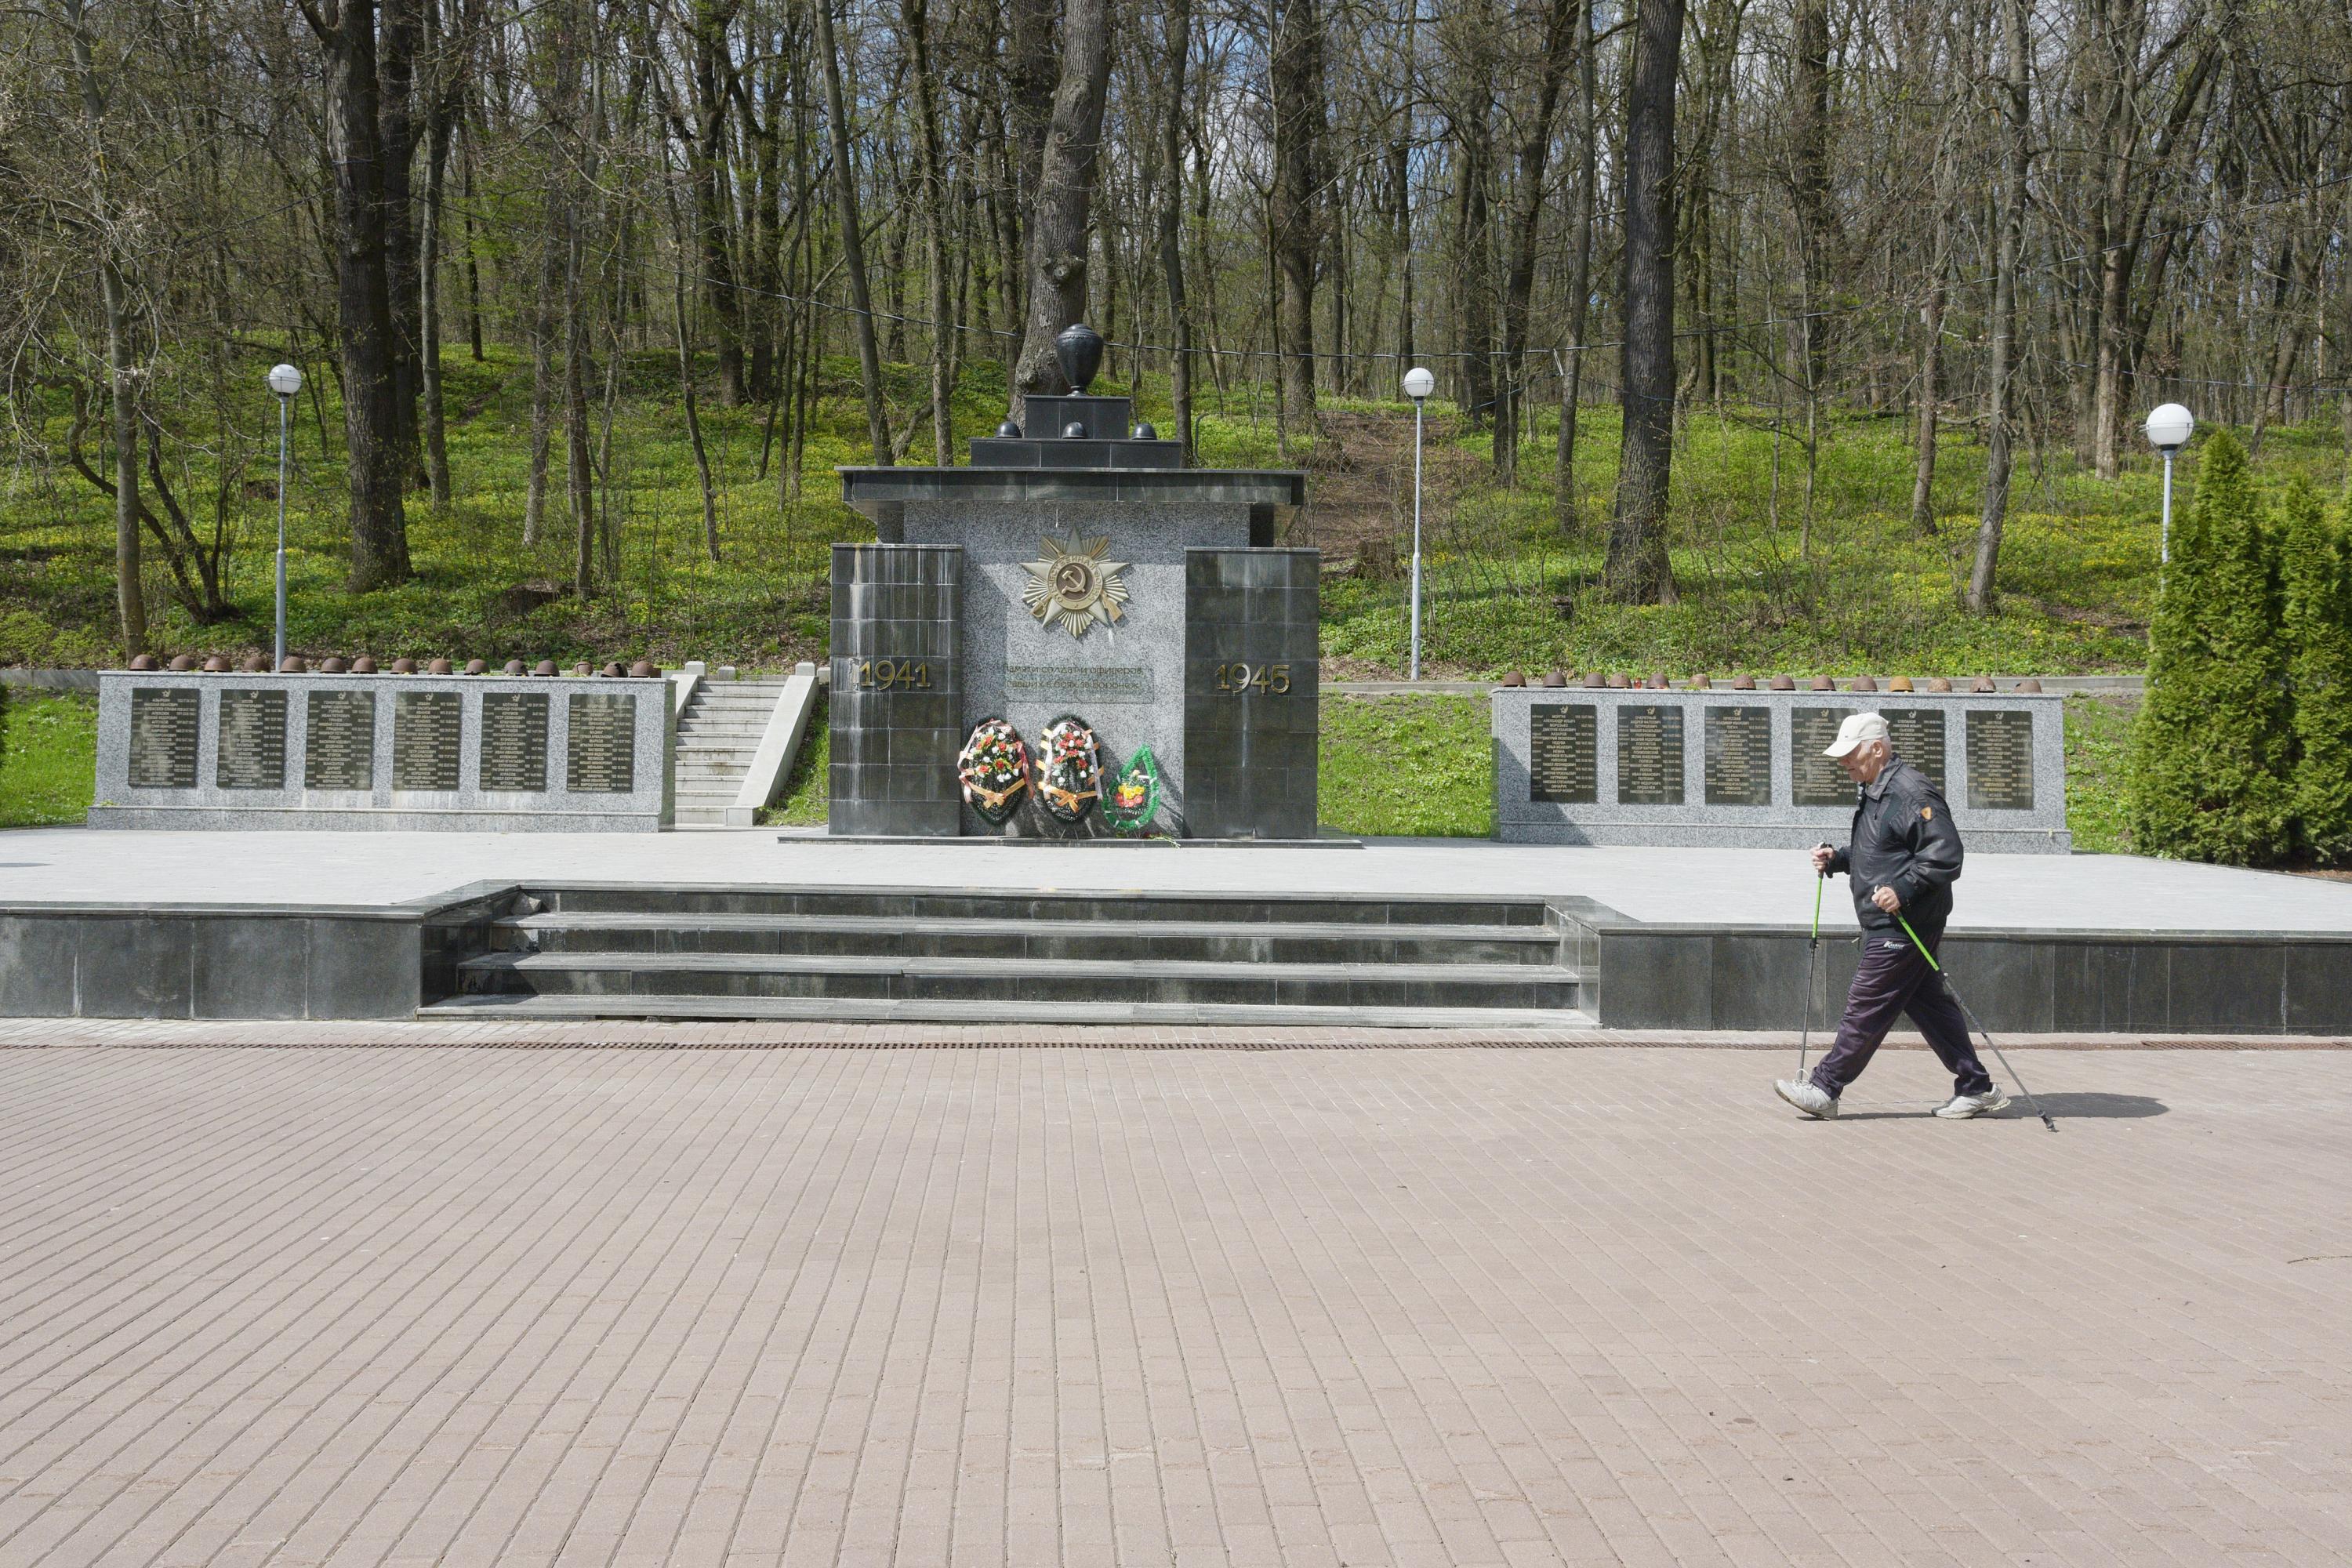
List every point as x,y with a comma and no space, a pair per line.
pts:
601,756
339,751
2001,759
1563,754
164,721
1739,756
1917,734
250,751
1817,779
1649,755
428,737
514,741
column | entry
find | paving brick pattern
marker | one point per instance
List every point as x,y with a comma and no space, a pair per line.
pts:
1086,1306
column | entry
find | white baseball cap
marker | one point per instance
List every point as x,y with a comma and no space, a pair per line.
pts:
1859,729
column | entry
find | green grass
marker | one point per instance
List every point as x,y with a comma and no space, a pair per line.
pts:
1770,581
2098,766
808,789
1421,767
50,765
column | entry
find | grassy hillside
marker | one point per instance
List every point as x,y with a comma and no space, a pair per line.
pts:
1783,565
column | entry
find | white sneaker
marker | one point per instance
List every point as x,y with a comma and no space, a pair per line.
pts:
1964,1106
1810,1097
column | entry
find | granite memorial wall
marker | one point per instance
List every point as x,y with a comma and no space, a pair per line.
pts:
1712,767
563,753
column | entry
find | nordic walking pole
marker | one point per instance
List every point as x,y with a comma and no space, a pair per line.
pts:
1972,1018
1813,955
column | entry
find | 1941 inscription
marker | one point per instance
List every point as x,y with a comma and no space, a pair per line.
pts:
514,741
427,738
250,751
340,752
1817,779
601,753
1563,754
1649,755
1917,735
163,722
1739,756
2001,759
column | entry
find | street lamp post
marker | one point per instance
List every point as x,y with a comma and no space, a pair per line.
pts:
2168,428
286,381
1418,384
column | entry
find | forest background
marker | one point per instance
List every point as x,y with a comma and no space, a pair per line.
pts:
592,297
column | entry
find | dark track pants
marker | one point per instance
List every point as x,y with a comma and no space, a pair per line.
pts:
1893,979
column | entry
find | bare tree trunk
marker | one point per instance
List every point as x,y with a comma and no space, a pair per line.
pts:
1809,181
1931,346
1296,204
1060,223
1638,570
853,240
372,422
401,35
1997,415
428,271
1527,224
915,16
473,266
1179,25
1579,276
129,594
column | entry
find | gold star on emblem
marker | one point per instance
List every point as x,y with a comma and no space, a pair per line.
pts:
1074,586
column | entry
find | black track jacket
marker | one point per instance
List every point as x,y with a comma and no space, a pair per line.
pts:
1904,839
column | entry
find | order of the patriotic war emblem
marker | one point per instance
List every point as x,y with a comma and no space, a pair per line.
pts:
1074,586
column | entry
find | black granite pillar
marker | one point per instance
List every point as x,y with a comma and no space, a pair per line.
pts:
897,688
1250,692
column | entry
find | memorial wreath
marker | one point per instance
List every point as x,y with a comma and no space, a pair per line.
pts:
1069,768
994,769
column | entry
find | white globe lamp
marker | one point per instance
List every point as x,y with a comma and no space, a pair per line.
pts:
1418,384
2168,428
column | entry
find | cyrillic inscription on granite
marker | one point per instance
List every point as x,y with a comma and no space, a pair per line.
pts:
164,721
1817,779
427,739
1739,756
1080,685
1649,755
514,741
601,756
2001,759
340,753
1563,754
250,751
1917,734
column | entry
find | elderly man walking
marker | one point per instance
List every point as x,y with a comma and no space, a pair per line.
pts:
1902,858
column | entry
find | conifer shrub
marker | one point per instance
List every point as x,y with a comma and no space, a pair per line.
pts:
2316,616
2213,760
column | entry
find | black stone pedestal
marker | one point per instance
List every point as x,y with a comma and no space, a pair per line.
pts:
1250,692
896,698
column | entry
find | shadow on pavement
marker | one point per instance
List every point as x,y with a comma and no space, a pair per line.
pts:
2091,1104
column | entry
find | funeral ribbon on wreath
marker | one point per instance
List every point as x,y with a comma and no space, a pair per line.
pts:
1069,768
994,769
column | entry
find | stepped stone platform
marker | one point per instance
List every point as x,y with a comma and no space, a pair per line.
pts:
753,925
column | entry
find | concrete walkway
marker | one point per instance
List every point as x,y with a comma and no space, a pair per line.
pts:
1711,886
1091,1307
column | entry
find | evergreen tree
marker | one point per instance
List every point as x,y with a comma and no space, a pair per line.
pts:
2212,752
2316,594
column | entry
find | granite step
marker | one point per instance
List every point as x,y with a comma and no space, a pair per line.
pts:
1026,1016
684,903
752,974
1319,941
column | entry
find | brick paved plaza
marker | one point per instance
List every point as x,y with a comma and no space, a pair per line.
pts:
1089,1306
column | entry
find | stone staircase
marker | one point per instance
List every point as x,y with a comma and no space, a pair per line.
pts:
930,956
717,734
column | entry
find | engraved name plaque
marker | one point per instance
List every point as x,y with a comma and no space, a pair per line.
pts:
250,752
514,741
601,755
1649,755
2001,759
340,753
1099,684
427,739
1563,754
163,722
1917,734
1818,780
1738,756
